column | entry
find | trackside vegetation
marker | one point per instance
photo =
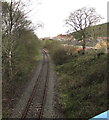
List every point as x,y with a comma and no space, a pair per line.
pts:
82,82
19,56
58,51
83,86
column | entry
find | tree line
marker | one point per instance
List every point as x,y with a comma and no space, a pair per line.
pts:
20,45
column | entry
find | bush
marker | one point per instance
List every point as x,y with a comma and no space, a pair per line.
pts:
59,55
56,50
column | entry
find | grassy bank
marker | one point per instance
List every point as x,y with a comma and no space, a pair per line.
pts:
82,85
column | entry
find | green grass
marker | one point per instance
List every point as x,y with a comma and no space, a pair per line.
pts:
82,84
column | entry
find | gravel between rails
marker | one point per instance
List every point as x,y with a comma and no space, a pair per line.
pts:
36,106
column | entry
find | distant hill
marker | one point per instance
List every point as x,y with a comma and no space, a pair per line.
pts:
101,30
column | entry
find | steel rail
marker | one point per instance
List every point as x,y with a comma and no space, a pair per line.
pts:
25,112
45,89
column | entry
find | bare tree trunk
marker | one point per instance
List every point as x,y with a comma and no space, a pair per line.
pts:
10,45
84,42
10,65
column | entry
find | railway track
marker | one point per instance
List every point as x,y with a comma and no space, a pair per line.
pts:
36,102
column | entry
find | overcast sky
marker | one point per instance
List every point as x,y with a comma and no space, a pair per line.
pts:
52,13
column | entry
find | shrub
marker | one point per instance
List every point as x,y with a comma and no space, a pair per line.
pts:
56,50
59,55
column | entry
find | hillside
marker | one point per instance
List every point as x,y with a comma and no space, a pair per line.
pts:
95,32
100,30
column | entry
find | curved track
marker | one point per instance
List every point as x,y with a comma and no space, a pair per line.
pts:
38,96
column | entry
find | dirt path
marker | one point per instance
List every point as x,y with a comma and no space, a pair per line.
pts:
49,105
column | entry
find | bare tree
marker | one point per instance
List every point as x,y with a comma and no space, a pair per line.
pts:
13,19
81,19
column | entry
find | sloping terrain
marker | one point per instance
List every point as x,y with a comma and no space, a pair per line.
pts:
83,86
